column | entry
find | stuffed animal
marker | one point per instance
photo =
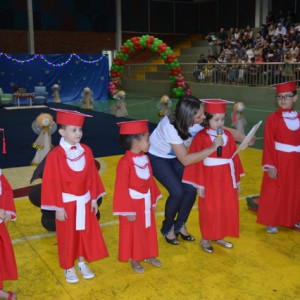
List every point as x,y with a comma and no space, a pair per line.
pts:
237,117
44,127
164,106
87,100
56,95
119,110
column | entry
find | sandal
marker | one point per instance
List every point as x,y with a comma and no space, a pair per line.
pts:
153,261
136,266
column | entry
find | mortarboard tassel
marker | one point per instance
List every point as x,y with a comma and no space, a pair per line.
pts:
3,142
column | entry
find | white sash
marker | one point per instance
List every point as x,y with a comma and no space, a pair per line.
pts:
210,161
147,198
80,207
286,147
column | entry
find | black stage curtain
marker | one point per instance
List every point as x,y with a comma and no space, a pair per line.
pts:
100,133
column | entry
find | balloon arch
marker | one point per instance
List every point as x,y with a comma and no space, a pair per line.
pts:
180,88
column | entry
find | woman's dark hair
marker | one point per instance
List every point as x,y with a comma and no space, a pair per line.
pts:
205,122
126,140
185,111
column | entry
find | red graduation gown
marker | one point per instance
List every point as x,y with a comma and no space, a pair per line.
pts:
219,210
136,240
8,266
59,178
279,202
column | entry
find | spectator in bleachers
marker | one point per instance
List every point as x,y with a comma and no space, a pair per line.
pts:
212,40
211,69
294,50
249,32
237,34
263,31
249,52
280,50
247,37
280,29
258,40
223,37
239,50
287,44
199,74
233,70
287,70
258,53
272,30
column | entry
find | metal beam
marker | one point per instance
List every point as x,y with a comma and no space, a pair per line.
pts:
30,36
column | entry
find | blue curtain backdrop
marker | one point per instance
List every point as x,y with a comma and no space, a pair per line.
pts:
73,72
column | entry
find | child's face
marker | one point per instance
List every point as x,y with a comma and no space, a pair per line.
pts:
286,100
71,134
142,144
217,121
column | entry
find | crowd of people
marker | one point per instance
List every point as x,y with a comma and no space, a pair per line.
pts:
236,55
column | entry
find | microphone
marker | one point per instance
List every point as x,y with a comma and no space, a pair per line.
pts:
219,134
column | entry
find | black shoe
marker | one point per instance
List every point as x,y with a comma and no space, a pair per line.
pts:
172,241
189,237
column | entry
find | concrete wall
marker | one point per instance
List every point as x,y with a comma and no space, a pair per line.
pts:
264,96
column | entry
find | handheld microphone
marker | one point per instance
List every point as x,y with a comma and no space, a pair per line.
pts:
219,134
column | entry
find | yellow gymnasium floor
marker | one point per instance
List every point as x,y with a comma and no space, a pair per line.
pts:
260,266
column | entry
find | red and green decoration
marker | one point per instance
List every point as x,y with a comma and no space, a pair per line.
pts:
156,45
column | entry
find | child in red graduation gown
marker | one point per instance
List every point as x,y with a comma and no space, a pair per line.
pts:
135,198
71,187
8,267
217,179
279,202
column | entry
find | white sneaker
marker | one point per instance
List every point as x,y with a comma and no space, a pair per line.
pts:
297,225
71,276
85,271
272,229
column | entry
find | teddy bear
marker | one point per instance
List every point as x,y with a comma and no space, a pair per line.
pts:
237,117
87,100
164,106
44,127
119,110
56,96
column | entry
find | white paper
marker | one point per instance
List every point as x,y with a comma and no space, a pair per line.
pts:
245,143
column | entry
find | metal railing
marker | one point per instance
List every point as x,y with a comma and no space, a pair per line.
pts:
253,74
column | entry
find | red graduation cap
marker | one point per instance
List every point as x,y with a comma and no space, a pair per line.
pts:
133,127
215,106
70,117
284,87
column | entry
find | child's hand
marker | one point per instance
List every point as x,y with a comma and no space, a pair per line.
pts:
218,141
239,187
272,172
94,207
61,215
201,192
131,218
7,217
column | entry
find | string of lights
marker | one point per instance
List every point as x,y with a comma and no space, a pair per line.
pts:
29,58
